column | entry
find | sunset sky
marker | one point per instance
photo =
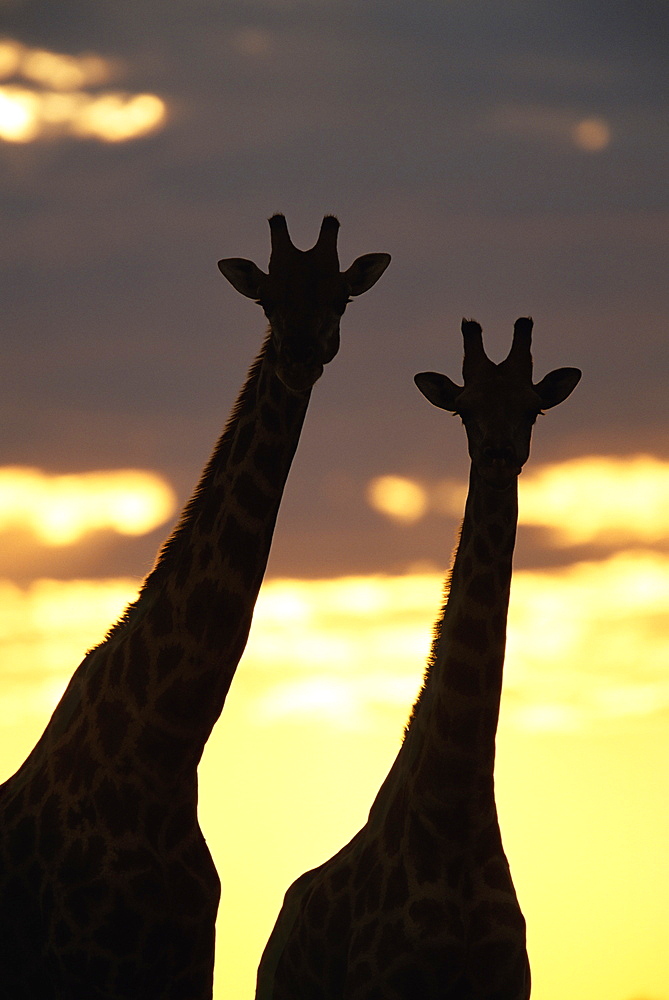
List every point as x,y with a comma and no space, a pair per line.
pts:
512,157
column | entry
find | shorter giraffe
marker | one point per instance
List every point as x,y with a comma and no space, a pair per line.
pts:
420,904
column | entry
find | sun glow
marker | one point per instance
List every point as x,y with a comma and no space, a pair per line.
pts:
51,96
586,643
573,651
116,117
63,72
591,499
315,716
60,510
397,497
599,498
46,628
53,69
592,135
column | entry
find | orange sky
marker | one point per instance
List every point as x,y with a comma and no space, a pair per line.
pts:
316,713
512,159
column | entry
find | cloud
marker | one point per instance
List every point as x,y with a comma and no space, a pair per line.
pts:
54,70
593,498
45,631
397,497
592,135
51,97
599,498
60,510
587,644
329,699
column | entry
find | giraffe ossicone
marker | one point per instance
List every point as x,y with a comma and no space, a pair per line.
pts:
303,295
107,888
498,403
420,903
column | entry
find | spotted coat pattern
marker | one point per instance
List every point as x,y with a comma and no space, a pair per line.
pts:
421,903
107,887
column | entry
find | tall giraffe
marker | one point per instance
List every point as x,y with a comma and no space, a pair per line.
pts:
107,888
421,903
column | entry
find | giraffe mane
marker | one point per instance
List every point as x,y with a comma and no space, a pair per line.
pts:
437,631
171,547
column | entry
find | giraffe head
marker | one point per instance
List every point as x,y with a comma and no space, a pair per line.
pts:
498,403
304,296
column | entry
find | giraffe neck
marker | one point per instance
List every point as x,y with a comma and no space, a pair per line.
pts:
158,683
450,741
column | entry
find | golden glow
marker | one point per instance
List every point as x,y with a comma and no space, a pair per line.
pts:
319,704
119,117
599,499
53,101
26,115
589,642
63,72
70,607
397,497
45,631
11,53
594,498
579,791
572,652
586,643
314,720
59,510
592,135
52,69
448,497
19,114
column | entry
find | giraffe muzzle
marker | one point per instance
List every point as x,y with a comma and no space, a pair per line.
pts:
499,465
299,377
299,365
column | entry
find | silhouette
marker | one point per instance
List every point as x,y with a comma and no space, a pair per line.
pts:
107,888
421,903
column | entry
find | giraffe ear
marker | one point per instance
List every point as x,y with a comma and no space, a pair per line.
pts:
439,390
243,275
365,272
556,386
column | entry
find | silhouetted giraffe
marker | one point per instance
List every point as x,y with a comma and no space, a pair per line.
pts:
420,904
107,888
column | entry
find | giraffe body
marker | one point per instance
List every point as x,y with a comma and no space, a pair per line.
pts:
421,902
107,887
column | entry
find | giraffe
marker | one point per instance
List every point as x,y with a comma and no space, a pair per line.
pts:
107,888
420,903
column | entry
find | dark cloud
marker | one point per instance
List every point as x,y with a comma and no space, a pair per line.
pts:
442,133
